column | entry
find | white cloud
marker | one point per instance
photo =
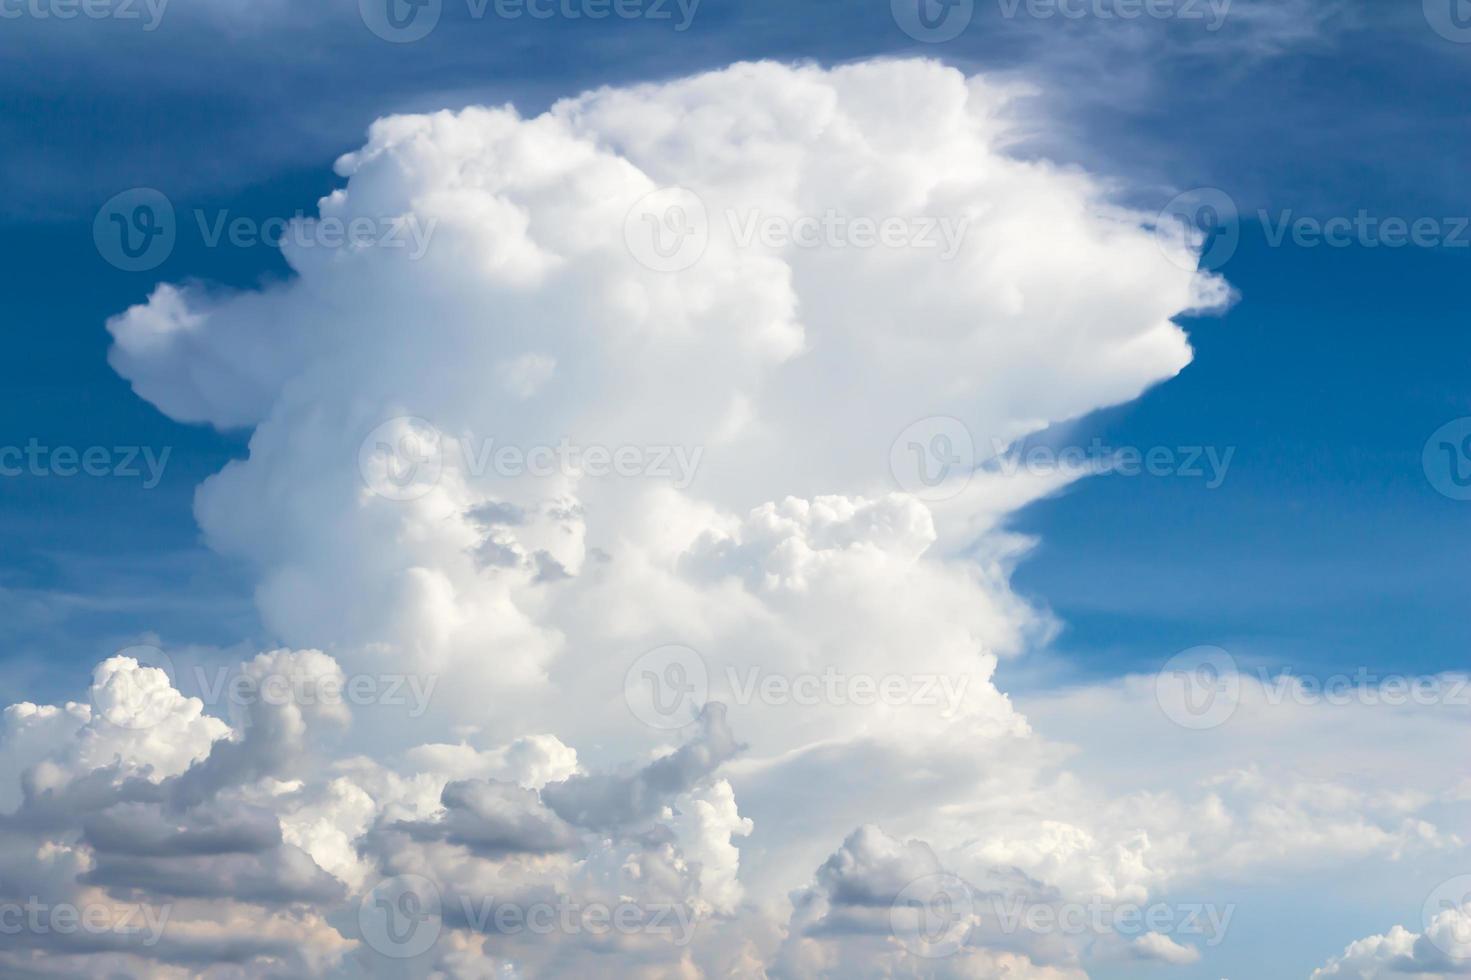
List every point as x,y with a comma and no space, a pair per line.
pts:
1157,946
392,543
135,720
1442,950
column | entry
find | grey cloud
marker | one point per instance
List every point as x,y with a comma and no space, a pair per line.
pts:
494,819
280,876
137,830
607,800
497,513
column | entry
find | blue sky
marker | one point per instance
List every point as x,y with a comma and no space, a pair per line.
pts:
1325,548
1325,544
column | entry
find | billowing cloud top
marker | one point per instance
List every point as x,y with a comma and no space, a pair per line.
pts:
531,309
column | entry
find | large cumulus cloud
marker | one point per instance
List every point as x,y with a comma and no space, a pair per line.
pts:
771,396
790,370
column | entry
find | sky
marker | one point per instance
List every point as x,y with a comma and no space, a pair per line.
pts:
1289,360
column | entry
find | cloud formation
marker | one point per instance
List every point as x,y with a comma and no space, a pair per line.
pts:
627,430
